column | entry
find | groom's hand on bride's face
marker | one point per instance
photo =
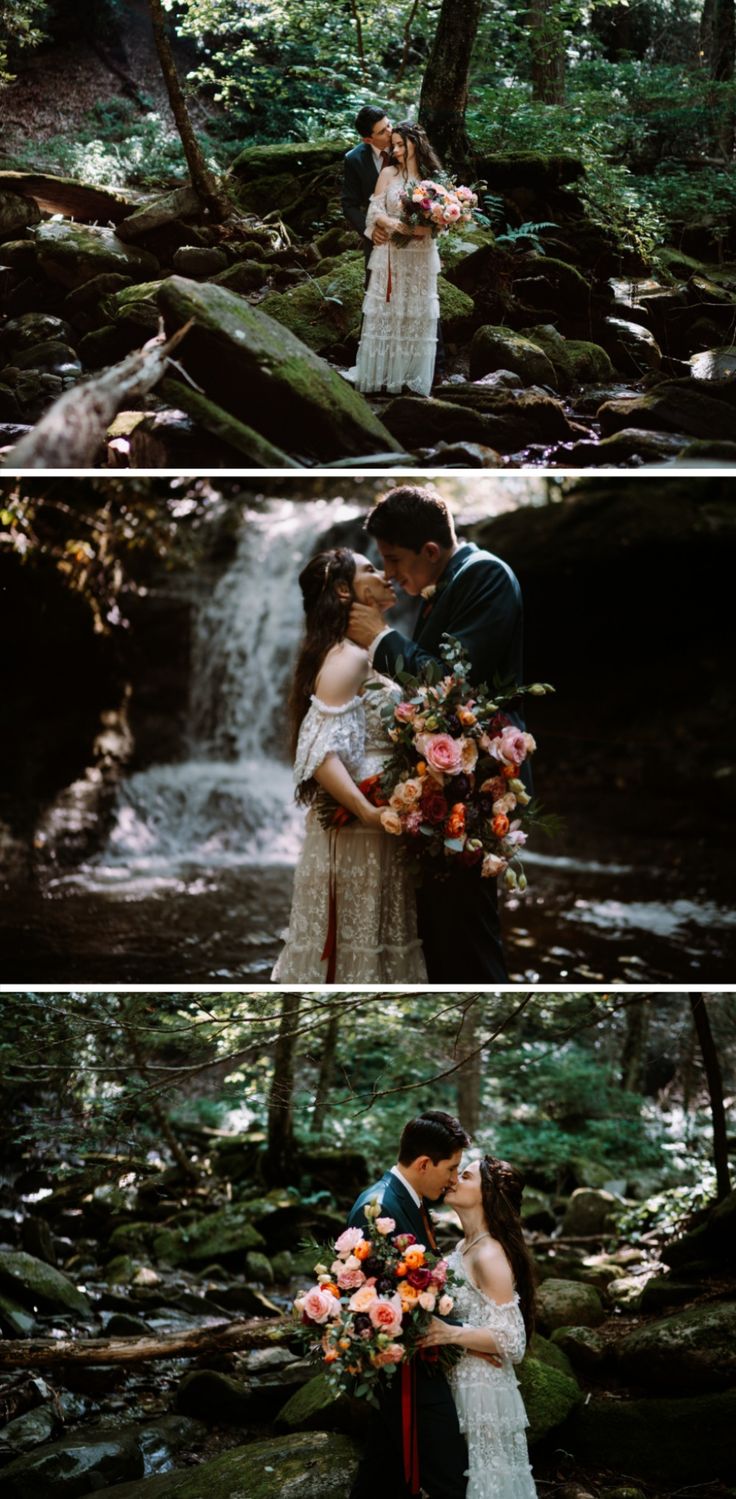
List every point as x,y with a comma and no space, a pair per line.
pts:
366,622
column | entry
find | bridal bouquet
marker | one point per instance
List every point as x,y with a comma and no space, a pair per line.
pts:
442,206
453,785
368,1308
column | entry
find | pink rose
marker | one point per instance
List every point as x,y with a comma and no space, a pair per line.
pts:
391,821
385,1314
348,1240
349,1280
468,754
504,803
385,1225
391,1355
442,753
363,1299
402,1241
439,1273
405,712
427,1300
445,1306
319,1305
510,747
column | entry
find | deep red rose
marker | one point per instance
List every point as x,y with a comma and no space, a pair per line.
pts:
420,1278
498,723
434,805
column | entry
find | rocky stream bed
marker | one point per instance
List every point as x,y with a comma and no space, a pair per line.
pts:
564,350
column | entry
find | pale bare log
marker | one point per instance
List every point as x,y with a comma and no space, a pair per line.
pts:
42,1353
71,433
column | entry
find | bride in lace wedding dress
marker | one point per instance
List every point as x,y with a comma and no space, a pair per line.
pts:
398,342
495,1299
353,914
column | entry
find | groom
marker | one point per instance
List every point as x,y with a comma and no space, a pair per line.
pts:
429,1156
475,597
361,168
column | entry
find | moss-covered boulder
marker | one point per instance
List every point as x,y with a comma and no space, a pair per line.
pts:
584,1347
17,214
537,1211
73,253
74,1465
568,1303
690,407
308,1464
576,361
546,283
131,1238
211,1396
31,1280
290,158
714,1239
589,1211
268,378
538,170
217,1238
549,1396
502,419
258,1268
689,1352
242,441
314,1407
633,348
27,331
548,1351
685,1441
16,1321
502,349
461,243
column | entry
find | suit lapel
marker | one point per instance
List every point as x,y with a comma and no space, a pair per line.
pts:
426,619
406,1205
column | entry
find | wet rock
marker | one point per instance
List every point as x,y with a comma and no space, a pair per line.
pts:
689,1352
10,410
258,1268
107,345
586,1348
666,1441
36,1239
459,455
20,254
75,1465
122,1325
547,282
568,1303
83,305
182,203
495,349
678,406
246,1299
16,214
199,260
120,1270
214,1397
576,361
129,1238
589,1212
135,305
28,1431
628,448
71,254
172,439
31,1279
220,1236
632,347
549,1396
54,357
310,1464
719,453
282,1265
26,332
15,1319
259,371
315,1407
713,364
662,1291
497,418
244,276
161,1441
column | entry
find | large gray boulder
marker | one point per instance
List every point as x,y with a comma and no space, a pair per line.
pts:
262,373
74,1466
589,1211
568,1303
686,1441
303,1465
686,1353
219,1236
73,253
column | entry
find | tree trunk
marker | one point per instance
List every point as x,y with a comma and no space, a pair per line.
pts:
42,1353
634,1052
444,96
280,1150
469,1078
204,184
71,433
159,1113
327,1067
715,1092
547,42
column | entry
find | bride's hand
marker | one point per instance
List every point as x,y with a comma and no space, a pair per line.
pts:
371,818
438,1332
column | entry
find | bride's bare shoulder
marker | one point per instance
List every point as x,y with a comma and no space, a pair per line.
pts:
342,673
385,176
492,1271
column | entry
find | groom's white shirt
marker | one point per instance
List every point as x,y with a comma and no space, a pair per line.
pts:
387,630
396,1171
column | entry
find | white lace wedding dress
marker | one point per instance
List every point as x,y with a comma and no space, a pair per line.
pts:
489,1406
377,940
401,308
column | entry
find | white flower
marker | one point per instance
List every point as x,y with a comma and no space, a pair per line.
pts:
430,591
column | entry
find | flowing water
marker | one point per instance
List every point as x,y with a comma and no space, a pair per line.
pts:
194,881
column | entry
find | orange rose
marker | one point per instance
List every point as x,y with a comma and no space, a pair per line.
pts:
401,1269
414,1256
500,825
456,820
421,767
344,1343
333,1289
330,1356
408,1295
509,772
362,1250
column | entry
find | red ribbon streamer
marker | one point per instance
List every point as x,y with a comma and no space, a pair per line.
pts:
329,951
389,283
409,1430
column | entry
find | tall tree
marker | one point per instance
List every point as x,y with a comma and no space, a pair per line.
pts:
714,1079
634,1052
717,36
444,97
281,1146
203,182
324,1081
547,44
470,1076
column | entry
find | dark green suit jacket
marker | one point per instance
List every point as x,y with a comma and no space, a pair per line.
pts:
396,1202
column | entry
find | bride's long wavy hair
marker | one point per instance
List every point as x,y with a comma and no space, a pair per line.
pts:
326,623
501,1187
428,161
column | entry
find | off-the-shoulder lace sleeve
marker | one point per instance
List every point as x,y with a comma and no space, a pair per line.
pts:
504,1320
330,731
376,205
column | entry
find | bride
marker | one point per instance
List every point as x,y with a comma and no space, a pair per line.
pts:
495,1299
401,309
353,914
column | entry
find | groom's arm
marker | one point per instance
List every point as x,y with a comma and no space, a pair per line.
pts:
353,195
483,617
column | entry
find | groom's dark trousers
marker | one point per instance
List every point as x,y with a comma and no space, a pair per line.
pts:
442,1452
478,601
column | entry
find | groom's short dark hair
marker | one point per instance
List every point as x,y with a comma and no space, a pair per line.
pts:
367,117
433,1133
409,516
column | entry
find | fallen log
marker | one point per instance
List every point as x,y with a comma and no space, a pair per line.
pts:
71,433
42,1353
73,199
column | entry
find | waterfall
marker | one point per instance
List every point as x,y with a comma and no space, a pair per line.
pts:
231,800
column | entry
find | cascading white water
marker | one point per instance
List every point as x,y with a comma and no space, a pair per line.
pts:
231,801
